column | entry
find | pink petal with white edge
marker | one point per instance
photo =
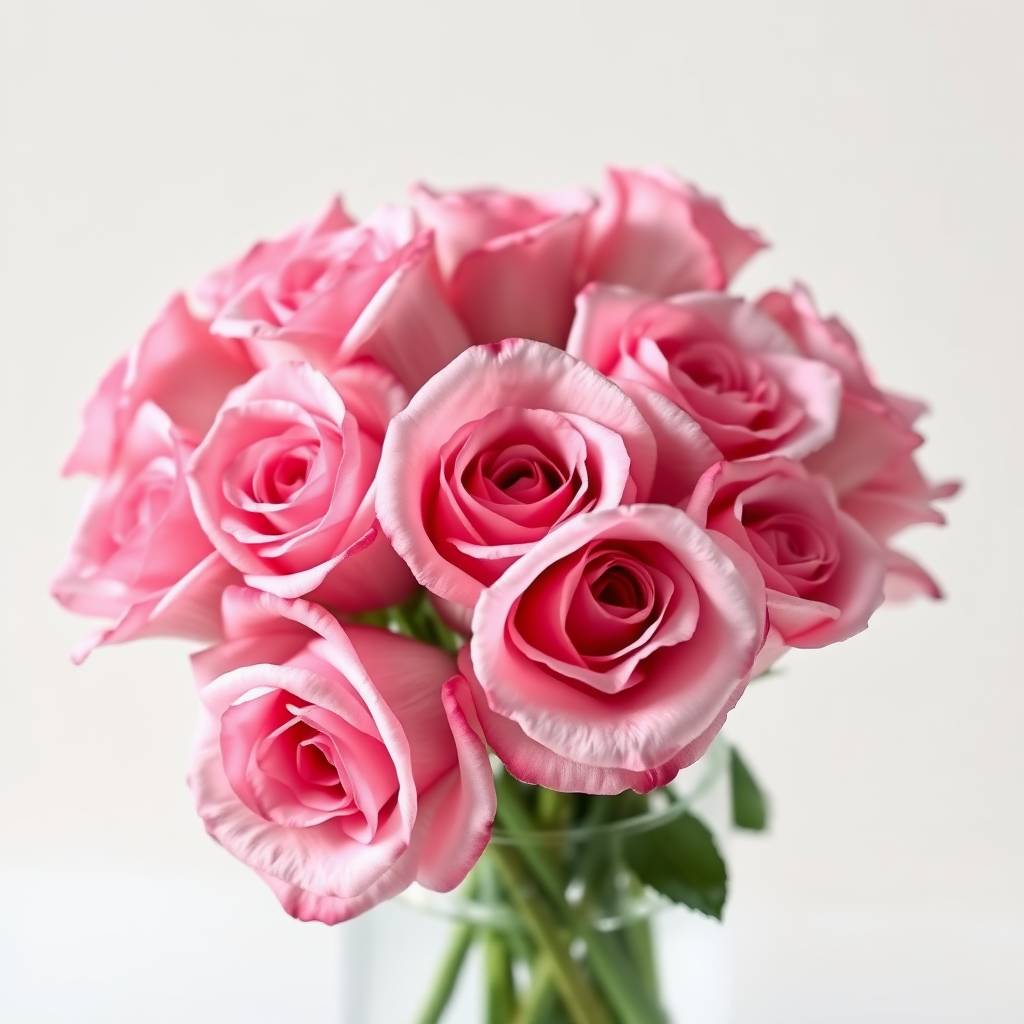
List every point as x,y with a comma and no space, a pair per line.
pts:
409,676
461,827
536,765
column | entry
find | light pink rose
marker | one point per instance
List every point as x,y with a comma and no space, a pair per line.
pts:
339,764
655,233
822,570
138,555
610,654
509,442
178,365
870,461
331,292
512,262
727,364
283,484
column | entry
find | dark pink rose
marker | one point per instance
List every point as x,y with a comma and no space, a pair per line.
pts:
331,292
870,461
823,572
655,233
609,655
138,555
283,484
512,263
720,359
179,366
511,441
339,764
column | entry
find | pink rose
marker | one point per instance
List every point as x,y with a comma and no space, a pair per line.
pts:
870,461
138,555
822,571
609,655
512,263
509,442
331,292
283,484
655,233
337,763
178,365
724,362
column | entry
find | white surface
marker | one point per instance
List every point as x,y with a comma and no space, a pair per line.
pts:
879,145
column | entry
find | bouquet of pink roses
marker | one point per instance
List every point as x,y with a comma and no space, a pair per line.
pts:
494,480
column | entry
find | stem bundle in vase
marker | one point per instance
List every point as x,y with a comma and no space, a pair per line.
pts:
489,508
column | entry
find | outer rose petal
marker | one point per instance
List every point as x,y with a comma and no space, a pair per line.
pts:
461,827
190,609
407,326
905,579
534,764
516,373
602,313
179,366
654,232
521,286
511,262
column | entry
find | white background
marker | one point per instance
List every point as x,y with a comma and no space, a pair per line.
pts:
878,145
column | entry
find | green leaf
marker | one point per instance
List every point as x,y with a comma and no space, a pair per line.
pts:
681,861
749,804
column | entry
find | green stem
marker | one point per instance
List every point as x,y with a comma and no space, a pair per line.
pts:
447,975
575,990
620,982
500,995
541,994
641,943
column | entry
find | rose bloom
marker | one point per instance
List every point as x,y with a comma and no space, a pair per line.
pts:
508,443
727,364
337,763
610,654
332,291
870,462
283,484
513,263
823,572
179,366
138,554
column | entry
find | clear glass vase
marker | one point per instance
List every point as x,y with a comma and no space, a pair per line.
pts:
556,925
